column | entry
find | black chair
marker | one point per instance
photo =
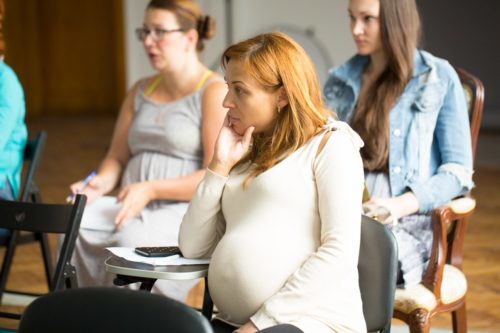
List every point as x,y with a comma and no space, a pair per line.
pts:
47,218
106,310
29,193
377,267
32,156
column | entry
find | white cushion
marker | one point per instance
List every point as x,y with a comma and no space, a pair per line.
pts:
454,286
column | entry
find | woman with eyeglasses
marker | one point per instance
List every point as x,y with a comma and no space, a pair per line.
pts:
163,139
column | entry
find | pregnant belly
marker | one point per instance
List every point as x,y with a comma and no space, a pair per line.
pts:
245,271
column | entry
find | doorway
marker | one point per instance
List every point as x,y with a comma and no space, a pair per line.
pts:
68,55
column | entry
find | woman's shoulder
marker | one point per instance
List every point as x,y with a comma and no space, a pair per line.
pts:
7,72
214,86
147,82
342,129
350,68
215,77
440,66
142,83
339,144
214,81
9,78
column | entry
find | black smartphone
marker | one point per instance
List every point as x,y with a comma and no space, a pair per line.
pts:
157,251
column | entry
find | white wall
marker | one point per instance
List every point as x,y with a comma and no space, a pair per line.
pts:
136,62
321,26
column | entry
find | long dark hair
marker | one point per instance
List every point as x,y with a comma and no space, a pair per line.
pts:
400,35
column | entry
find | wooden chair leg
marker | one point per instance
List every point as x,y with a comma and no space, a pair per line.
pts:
419,321
459,319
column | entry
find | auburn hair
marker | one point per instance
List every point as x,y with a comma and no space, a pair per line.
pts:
400,35
275,60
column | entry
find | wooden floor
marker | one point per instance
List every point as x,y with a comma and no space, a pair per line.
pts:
75,145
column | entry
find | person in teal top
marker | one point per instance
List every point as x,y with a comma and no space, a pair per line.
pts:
13,132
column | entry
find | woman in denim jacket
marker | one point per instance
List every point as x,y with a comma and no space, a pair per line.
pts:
410,110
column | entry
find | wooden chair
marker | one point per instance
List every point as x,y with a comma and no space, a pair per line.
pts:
444,285
47,218
377,268
102,310
29,193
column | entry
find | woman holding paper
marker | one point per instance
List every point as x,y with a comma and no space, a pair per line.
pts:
163,139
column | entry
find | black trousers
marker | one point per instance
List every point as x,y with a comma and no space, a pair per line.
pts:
222,327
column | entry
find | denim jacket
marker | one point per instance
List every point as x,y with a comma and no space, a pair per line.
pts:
429,143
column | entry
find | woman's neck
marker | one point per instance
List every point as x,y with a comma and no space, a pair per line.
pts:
378,63
182,81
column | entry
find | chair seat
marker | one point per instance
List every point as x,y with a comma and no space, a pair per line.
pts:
454,287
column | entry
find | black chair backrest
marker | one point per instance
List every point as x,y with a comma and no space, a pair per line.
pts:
97,310
47,218
377,267
32,155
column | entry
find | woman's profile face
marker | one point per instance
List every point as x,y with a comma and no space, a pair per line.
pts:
165,46
365,25
249,103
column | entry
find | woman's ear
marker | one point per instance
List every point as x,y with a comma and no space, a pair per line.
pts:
282,97
192,36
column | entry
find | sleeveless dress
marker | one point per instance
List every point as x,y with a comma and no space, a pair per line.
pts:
165,142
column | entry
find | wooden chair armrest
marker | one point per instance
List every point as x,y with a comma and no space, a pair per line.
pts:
461,206
442,217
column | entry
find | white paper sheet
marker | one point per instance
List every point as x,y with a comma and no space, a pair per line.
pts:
128,253
100,214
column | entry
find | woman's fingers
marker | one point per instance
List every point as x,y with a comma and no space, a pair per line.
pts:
125,213
75,186
247,137
134,199
122,194
121,217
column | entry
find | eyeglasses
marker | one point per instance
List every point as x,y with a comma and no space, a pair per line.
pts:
156,33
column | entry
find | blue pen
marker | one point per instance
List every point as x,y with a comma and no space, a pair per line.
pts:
85,182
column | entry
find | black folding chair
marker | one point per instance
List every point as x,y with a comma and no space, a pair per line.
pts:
377,267
103,310
47,218
29,192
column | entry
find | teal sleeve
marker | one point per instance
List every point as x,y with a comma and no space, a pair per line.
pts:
11,104
13,132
